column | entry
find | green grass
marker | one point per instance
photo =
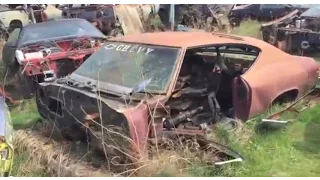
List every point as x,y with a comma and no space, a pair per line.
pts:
291,151
249,28
25,116
24,166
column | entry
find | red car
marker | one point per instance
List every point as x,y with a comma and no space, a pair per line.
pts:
44,51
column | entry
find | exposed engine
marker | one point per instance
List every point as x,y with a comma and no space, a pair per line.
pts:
49,60
39,51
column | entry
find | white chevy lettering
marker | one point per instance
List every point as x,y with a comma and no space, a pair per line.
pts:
126,47
119,47
110,46
131,48
141,49
149,50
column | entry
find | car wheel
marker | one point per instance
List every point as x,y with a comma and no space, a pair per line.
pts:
14,24
234,22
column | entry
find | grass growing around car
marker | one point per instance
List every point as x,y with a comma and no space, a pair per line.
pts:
290,151
25,116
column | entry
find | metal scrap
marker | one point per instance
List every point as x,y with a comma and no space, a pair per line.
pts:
294,33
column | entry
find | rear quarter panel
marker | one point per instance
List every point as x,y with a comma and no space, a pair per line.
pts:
272,75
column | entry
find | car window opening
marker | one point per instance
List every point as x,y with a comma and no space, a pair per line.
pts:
206,80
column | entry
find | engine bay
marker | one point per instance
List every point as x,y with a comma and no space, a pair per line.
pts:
48,48
56,57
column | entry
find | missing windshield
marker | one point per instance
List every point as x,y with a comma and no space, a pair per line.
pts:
140,67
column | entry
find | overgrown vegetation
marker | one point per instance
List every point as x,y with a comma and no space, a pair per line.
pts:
290,151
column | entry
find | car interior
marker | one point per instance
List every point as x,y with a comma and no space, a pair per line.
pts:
203,92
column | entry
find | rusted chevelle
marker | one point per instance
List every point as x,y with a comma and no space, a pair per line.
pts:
142,87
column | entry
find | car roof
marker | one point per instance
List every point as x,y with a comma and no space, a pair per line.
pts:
187,39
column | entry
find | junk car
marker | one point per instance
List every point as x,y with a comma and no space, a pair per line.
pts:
295,33
153,85
17,17
43,51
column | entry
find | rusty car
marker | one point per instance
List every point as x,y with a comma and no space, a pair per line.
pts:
16,17
42,51
139,88
263,12
294,33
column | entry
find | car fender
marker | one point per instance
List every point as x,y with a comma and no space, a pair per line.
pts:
8,16
269,81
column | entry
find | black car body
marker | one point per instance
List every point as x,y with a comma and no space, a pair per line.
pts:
263,11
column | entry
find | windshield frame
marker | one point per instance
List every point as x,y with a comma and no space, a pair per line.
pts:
73,21
109,87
